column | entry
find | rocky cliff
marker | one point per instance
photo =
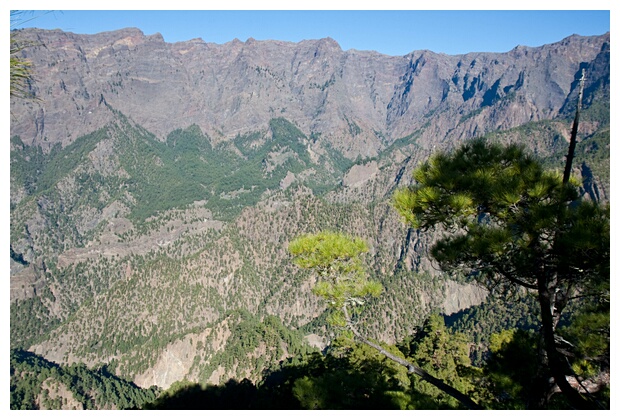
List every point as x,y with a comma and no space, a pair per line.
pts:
357,101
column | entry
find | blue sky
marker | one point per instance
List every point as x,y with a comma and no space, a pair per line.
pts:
392,32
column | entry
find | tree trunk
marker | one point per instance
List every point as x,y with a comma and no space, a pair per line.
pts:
573,136
556,364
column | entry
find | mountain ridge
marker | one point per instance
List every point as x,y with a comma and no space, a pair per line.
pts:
353,100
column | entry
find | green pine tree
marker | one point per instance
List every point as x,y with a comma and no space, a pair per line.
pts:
336,260
509,223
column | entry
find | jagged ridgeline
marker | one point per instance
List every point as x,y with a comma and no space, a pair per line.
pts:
149,229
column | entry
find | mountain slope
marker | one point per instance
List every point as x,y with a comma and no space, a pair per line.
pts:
357,101
155,187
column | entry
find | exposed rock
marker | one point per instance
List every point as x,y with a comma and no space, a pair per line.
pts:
354,99
287,180
173,363
462,296
316,341
359,174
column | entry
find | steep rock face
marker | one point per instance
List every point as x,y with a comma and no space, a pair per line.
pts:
357,101
462,296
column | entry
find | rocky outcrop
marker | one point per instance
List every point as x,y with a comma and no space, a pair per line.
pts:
462,296
359,174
